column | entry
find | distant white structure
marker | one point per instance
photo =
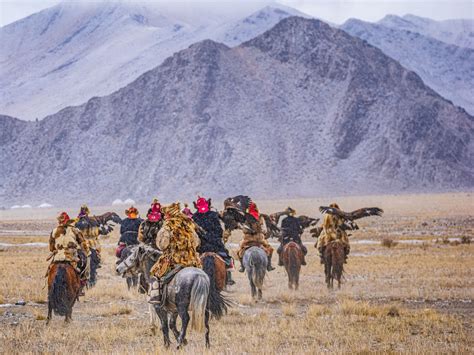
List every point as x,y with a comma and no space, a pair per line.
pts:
15,207
129,201
26,206
117,202
45,205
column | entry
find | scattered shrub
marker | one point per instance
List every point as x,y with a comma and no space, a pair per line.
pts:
389,242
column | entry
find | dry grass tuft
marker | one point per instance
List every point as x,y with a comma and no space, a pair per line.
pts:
389,242
465,239
317,310
393,312
288,310
114,310
358,308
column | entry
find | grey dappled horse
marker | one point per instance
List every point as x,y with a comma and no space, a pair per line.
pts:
255,262
188,291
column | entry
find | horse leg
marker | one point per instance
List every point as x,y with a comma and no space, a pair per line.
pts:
259,294
173,328
153,318
50,312
206,323
184,315
164,327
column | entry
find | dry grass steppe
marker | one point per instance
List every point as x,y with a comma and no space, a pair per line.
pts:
415,296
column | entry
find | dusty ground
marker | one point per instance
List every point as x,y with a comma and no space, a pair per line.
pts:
414,297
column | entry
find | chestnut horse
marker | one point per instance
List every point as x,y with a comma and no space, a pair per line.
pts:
292,256
63,289
214,266
334,263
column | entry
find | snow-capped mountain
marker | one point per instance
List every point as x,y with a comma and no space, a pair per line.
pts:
459,32
71,52
446,68
301,110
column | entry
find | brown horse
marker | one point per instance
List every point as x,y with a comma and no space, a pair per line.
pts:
334,263
214,266
63,289
292,256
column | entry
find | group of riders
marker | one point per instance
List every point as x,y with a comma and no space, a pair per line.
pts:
182,236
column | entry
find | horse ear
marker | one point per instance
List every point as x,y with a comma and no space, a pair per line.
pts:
209,203
194,204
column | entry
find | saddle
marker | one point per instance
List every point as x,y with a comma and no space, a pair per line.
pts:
165,280
218,256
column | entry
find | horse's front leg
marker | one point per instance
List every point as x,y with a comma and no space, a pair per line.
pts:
50,312
153,318
206,324
164,326
184,315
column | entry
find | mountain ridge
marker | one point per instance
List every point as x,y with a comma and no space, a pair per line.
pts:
246,120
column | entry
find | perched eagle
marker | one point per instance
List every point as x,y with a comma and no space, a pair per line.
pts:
349,217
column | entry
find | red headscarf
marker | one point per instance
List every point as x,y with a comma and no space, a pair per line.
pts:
63,218
253,210
154,214
202,205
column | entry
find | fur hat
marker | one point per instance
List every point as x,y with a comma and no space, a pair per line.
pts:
63,218
202,205
84,211
131,212
334,205
172,210
291,211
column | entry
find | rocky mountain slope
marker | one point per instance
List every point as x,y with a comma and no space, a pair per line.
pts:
459,32
301,110
66,54
448,69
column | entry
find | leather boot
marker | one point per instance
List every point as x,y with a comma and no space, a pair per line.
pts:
242,268
280,262
155,291
269,265
229,280
321,255
303,262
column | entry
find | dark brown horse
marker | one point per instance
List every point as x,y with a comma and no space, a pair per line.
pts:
63,289
214,266
334,263
292,256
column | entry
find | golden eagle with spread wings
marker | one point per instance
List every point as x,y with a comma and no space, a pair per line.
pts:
350,217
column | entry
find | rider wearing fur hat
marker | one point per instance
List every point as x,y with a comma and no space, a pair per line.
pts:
332,229
129,230
178,242
67,244
151,226
210,233
255,237
291,231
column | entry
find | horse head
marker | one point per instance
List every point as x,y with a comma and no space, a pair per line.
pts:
130,264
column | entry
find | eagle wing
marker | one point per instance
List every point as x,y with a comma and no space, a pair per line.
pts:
351,216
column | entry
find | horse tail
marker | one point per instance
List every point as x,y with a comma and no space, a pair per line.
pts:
58,296
95,261
217,304
294,263
258,270
338,260
198,302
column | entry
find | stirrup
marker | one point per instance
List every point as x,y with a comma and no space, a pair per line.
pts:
242,269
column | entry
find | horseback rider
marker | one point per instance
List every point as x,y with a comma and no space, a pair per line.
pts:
292,230
129,230
91,232
67,244
149,229
255,236
210,234
178,242
332,229
187,211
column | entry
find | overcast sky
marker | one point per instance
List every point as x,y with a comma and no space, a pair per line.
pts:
335,11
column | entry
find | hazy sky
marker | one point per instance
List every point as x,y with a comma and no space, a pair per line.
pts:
336,11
